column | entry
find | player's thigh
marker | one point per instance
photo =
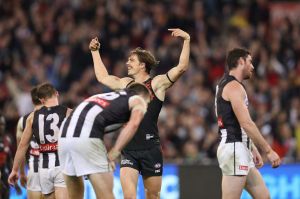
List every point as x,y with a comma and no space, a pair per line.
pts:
75,186
256,186
129,179
34,194
61,193
232,186
103,184
152,186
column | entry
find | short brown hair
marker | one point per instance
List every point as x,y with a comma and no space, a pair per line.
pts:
146,57
139,89
234,55
34,96
46,91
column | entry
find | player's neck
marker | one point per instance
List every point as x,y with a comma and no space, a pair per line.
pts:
237,74
51,102
141,77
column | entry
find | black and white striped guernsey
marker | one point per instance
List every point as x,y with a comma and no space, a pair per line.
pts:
45,128
97,115
33,149
229,127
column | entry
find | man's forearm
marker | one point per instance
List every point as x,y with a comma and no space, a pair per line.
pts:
257,138
19,157
99,67
185,55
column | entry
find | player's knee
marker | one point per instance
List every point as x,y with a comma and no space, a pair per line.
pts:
152,194
264,195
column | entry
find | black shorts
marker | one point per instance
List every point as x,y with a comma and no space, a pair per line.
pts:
148,162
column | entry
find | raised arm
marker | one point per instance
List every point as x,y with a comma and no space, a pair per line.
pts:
102,75
162,82
21,151
236,94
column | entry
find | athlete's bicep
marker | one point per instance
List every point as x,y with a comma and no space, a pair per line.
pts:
116,83
236,95
175,73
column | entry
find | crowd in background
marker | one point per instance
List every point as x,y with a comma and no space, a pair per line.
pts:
48,40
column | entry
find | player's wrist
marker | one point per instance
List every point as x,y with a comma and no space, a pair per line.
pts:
113,154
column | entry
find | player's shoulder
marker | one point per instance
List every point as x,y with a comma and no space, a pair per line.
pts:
234,85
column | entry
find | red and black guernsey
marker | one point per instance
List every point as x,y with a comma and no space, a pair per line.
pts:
45,128
229,127
147,134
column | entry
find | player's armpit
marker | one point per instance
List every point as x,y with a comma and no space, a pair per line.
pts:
116,83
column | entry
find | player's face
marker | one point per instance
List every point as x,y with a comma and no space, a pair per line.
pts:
134,66
248,68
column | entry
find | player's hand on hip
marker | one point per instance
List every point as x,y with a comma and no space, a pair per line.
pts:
274,158
23,180
13,178
176,32
94,44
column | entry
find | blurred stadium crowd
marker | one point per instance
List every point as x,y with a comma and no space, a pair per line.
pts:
48,40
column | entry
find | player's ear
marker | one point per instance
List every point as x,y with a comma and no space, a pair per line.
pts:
42,100
143,65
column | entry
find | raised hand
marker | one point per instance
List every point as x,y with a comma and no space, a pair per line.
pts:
94,44
176,32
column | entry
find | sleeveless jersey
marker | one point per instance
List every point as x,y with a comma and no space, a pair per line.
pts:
147,134
33,149
97,115
229,127
45,128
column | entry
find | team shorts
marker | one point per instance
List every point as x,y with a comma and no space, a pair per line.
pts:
33,181
235,159
82,156
51,178
148,162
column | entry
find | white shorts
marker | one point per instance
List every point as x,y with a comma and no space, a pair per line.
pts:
51,178
235,158
82,156
33,181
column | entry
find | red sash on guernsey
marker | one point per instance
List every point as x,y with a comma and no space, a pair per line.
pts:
51,147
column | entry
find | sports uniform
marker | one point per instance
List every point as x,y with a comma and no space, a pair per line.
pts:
33,179
81,148
45,128
143,152
234,151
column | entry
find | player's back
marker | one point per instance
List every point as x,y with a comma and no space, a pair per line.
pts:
45,128
97,115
